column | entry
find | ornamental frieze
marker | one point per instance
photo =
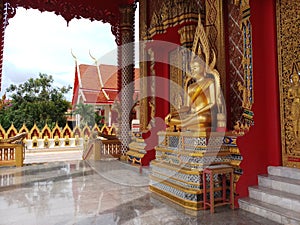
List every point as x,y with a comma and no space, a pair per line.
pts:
171,13
71,9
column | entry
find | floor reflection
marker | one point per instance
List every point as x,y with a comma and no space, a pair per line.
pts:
76,193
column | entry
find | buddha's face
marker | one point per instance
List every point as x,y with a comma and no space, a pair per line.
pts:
295,79
197,70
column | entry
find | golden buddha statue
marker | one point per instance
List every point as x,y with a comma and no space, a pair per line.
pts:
200,100
203,109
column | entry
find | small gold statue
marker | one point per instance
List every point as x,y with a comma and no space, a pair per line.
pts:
294,95
203,106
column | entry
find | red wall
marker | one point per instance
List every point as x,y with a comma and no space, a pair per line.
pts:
161,54
261,147
162,67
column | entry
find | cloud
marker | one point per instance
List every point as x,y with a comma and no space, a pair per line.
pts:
38,42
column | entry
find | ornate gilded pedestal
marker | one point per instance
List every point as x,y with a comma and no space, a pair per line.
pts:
180,160
136,150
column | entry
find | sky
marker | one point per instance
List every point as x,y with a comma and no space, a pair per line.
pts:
38,42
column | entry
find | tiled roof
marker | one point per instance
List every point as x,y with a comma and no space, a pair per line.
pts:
109,74
91,85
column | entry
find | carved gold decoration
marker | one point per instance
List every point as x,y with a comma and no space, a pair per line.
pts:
143,64
187,35
172,13
248,96
235,67
152,103
288,23
241,54
176,76
216,35
293,95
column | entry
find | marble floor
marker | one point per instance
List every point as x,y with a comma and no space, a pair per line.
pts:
103,192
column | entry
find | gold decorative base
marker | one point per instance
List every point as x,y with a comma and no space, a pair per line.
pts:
182,202
180,159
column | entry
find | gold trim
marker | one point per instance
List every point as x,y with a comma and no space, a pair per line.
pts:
288,61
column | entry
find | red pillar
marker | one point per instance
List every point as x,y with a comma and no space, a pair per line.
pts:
261,147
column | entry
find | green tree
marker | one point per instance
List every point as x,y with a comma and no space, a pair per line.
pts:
87,114
35,101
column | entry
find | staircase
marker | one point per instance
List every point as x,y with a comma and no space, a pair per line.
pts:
277,196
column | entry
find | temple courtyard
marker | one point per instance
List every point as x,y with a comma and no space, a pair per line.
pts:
96,192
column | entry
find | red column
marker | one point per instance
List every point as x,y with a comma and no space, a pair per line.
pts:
261,147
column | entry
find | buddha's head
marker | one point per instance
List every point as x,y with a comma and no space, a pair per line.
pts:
197,69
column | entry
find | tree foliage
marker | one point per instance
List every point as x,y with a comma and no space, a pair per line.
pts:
88,115
35,101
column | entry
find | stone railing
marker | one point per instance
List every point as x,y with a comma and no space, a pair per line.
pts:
12,154
60,132
58,137
97,149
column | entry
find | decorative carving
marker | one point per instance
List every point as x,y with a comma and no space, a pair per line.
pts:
294,107
240,45
70,10
216,35
288,23
143,65
152,82
176,76
127,72
247,54
187,35
171,13
127,16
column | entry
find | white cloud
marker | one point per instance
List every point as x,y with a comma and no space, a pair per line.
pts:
41,42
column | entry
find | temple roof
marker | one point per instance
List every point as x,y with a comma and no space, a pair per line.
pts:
88,84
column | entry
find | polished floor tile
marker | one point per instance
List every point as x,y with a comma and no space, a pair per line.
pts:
104,192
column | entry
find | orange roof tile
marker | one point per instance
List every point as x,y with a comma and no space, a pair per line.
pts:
91,86
109,73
